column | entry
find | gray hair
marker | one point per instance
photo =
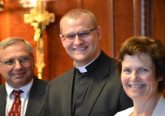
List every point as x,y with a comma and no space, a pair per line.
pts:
12,40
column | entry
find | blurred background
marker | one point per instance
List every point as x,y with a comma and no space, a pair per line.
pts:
119,19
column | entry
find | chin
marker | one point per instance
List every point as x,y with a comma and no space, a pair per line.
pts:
80,58
134,95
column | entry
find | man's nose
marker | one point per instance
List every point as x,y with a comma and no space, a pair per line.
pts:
78,39
17,64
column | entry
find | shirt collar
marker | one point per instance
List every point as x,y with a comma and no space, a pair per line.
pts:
159,108
83,69
26,89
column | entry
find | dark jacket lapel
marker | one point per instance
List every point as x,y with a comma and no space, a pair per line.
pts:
91,98
67,94
36,97
2,100
102,69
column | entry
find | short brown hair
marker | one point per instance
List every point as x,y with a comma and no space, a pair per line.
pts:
153,47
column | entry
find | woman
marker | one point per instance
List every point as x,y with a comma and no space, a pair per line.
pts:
142,68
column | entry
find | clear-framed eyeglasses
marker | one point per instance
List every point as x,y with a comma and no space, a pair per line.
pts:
82,34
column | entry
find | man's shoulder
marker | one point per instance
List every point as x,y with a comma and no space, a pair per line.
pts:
107,58
64,76
38,87
2,87
40,82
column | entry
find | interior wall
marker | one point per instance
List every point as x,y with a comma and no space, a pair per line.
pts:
158,19
119,19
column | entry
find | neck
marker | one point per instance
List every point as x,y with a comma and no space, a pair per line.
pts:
145,107
84,64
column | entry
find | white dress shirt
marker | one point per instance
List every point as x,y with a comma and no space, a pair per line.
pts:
24,97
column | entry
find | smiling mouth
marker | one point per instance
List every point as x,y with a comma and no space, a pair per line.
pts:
19,74
82,48
136,86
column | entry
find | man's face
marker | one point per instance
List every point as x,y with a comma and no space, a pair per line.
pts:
80,39
16,65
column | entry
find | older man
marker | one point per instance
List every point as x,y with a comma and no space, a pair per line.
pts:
23,93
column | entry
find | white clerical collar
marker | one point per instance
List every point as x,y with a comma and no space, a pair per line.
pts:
83,69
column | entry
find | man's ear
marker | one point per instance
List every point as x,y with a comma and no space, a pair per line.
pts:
99,32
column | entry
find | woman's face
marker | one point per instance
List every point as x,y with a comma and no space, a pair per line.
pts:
138,76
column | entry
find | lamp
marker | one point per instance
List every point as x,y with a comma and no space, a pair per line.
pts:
39,18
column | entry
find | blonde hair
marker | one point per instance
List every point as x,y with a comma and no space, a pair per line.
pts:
76,13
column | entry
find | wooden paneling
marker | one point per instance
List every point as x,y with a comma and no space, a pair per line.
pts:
137,17
58,61
119,19
158,29
103,12
123,22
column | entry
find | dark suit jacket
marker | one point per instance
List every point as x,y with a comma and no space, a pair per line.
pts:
104,98
36,98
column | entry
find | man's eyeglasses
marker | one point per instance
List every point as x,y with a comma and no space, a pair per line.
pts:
22,60
81,34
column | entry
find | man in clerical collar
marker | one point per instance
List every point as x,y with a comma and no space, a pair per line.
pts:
99,91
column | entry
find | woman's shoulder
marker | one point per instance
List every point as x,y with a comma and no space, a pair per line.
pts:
125,112
159,109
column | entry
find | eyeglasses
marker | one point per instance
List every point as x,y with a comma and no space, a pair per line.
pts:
81,34
22,60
